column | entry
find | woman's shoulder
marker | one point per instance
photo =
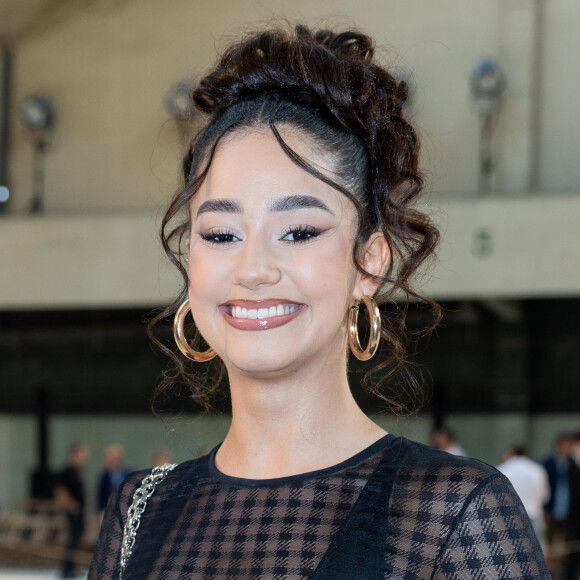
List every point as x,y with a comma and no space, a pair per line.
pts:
422,467
466,514
436,489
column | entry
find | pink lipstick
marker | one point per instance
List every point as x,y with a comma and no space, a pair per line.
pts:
260,314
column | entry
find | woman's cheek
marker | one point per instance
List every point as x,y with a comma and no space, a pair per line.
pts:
201,285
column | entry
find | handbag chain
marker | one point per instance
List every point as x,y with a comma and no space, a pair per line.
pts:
136,509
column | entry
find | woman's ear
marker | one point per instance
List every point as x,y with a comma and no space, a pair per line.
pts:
375,257
187,249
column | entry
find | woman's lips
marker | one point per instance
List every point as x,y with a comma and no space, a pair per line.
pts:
259,315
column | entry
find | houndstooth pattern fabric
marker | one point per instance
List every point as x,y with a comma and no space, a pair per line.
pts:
442,517
491,536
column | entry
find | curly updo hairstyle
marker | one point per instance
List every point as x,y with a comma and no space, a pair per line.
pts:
327,86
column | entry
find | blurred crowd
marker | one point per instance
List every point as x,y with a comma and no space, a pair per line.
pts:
70,492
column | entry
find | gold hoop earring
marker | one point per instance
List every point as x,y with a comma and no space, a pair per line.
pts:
180,339
353,341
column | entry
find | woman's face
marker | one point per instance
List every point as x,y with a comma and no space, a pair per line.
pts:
271,274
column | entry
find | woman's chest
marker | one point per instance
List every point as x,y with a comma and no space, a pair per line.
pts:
217,532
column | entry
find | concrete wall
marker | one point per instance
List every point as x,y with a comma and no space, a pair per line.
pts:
494,248
115,151
90,261
109,66
559,120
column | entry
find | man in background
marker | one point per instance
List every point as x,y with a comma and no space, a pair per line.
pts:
562,474
70,494
573,528
530,481
114,472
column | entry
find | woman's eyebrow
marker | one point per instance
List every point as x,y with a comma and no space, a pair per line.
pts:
292,202
220,206
287,203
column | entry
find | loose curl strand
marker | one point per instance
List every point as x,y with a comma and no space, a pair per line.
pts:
327,86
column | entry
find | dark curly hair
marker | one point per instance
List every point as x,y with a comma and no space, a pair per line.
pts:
327,86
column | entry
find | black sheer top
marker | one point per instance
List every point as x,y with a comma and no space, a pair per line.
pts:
397,510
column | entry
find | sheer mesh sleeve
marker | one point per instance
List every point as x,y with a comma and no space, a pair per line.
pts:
492,538
107,555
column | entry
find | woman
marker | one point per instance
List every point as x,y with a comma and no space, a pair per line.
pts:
299,194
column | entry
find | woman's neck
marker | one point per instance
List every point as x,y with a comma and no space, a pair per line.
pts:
295,424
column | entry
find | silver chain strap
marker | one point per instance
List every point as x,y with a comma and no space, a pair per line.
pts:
136,509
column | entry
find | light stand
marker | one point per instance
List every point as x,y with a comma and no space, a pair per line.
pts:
37,115
487,84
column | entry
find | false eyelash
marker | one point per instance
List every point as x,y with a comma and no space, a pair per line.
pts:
210,237
312,232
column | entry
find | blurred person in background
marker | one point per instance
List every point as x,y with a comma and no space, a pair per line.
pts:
561,470
113,473
575,447
444,440
573,528
69,491
530,481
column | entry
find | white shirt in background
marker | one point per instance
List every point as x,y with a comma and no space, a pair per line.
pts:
455,449
530,481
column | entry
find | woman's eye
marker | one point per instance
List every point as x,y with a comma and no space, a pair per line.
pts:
301,234
219,237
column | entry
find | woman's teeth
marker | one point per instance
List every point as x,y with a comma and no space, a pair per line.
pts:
253,313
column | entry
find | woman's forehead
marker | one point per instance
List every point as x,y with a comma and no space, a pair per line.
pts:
250,164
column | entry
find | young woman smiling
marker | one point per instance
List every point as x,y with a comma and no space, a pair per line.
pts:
299,196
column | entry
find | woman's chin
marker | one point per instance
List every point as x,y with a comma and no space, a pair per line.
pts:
260,365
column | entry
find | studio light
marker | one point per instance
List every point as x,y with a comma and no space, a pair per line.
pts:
487,83
179,103
36,113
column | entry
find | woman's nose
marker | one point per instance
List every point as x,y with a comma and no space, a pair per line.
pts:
256,265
